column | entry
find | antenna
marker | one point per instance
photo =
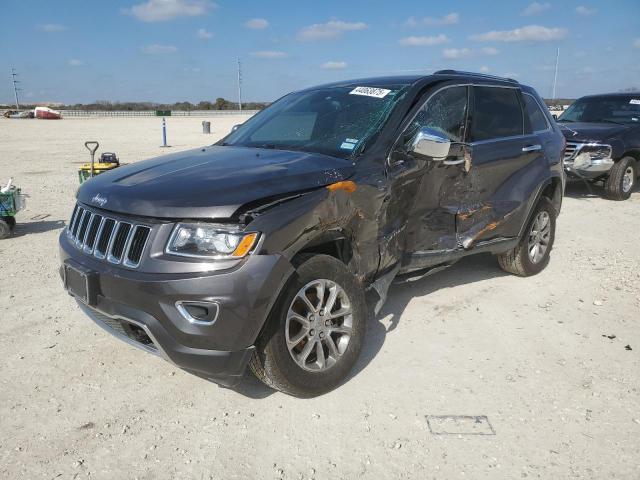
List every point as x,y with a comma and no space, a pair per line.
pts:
239,86
15,87
555,75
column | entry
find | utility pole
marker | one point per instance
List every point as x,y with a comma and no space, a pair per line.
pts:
239,86
15,87
555,75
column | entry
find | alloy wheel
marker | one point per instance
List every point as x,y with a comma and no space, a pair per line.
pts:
628,179
539,236
319,325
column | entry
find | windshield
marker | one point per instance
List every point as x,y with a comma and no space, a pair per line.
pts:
605,109
337,121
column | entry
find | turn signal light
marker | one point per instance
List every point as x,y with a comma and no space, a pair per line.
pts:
245,245
346,185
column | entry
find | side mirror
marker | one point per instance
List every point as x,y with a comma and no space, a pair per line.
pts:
555,116
430,143
235,127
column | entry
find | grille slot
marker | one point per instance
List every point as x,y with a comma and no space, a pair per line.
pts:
119,242
104,237
96,221
570,150
76,222
108,238
84,223
139,239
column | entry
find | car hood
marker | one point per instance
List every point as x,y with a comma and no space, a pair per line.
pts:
210,182
591,132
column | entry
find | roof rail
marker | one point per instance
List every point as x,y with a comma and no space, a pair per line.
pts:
483,75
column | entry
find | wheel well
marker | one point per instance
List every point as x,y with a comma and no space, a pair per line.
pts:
339,248
553,192
633,154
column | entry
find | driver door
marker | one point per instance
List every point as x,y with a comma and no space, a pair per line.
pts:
419,220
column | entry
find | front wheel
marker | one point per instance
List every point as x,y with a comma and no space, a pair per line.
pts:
315,332
622,179
531,254
5,227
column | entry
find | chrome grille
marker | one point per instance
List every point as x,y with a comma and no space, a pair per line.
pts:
117,241
570,150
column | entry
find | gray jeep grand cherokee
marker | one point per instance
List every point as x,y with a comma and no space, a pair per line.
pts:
268,247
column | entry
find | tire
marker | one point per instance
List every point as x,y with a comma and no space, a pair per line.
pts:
519,260
273,362
5,229
622,179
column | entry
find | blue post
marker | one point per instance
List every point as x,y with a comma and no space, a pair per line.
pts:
164,133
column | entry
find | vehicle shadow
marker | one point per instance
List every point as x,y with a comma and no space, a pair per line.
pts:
581,190
42,226
468,270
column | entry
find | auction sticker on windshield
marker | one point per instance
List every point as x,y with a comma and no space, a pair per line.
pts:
370,92
633,101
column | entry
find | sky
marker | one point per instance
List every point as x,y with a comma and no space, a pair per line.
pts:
187,50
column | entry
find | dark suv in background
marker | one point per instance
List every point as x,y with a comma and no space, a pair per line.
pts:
271,247
603,141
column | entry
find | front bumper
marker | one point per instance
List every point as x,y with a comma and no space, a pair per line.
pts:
591,170
141,308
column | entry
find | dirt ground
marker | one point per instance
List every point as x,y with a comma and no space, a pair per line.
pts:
543,358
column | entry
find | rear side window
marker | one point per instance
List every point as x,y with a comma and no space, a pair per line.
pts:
536,116
497,114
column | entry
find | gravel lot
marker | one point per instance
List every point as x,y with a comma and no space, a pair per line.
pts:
561,399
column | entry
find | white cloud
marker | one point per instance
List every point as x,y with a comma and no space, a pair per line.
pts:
329,30
536,8
163,10
636,43
449,19
74,62
484,69
424,41
269,54
490,51
455,53
334,65
52,27
256,23
585,11
203,33
530,33
156,49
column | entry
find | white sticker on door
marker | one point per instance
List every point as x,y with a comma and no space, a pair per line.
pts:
370,92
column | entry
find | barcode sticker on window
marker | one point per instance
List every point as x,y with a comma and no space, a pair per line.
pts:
634,101
370,92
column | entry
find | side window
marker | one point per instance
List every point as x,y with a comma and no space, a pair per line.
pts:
497,113
536,116
444,112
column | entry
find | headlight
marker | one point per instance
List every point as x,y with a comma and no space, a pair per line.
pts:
210,241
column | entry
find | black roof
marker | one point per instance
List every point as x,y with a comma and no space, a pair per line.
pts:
404,80
616,94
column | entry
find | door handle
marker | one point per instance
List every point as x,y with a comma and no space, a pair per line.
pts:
532,148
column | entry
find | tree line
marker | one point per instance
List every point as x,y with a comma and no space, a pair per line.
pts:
107,106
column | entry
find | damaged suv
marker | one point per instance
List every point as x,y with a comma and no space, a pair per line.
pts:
603,141
271,247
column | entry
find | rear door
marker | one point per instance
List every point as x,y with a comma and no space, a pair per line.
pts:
506,159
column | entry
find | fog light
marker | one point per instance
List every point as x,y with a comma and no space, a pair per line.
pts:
198,313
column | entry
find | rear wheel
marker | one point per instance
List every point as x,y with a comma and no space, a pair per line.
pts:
531,255
315,332
622,179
